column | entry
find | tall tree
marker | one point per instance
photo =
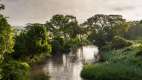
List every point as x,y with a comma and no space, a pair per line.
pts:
65,32
6,37
103,28
61,25
33,41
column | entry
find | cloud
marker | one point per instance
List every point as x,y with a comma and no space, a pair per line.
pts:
24,11
123,8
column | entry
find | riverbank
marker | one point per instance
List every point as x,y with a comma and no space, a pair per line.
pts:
121,64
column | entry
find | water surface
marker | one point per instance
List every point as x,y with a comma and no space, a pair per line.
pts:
68,66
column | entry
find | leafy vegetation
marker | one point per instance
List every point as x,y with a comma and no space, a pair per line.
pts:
65,33
6,37
103,28
33,41
14,70
119,40
134,32
121,64
9,68
116,71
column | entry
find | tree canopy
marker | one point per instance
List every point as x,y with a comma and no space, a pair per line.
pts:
6,37
103,28
34,40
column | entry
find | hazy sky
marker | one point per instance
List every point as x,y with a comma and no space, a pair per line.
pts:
21,12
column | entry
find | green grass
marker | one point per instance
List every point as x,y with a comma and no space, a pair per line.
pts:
116,71
122,64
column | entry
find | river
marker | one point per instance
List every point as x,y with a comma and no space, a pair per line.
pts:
67,66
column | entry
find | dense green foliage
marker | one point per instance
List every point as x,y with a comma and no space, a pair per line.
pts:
117,71
62,33
6,45
9,68
135,31
122,57
14,70
122,64
119,42
103,28
6,37
33,41
65,33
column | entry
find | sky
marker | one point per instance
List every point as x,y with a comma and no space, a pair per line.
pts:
21,12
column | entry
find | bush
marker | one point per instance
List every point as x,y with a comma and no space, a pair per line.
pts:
14,70
119,42
122,64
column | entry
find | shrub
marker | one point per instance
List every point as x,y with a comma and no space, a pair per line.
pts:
14,70
122,64
119,42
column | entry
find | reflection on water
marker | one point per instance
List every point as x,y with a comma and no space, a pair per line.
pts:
69,66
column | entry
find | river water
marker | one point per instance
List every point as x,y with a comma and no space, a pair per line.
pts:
68,66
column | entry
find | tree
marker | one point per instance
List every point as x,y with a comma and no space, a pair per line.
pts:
6,37
66,26
33,41
65,31
102,28
9,68
6,42
135,30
